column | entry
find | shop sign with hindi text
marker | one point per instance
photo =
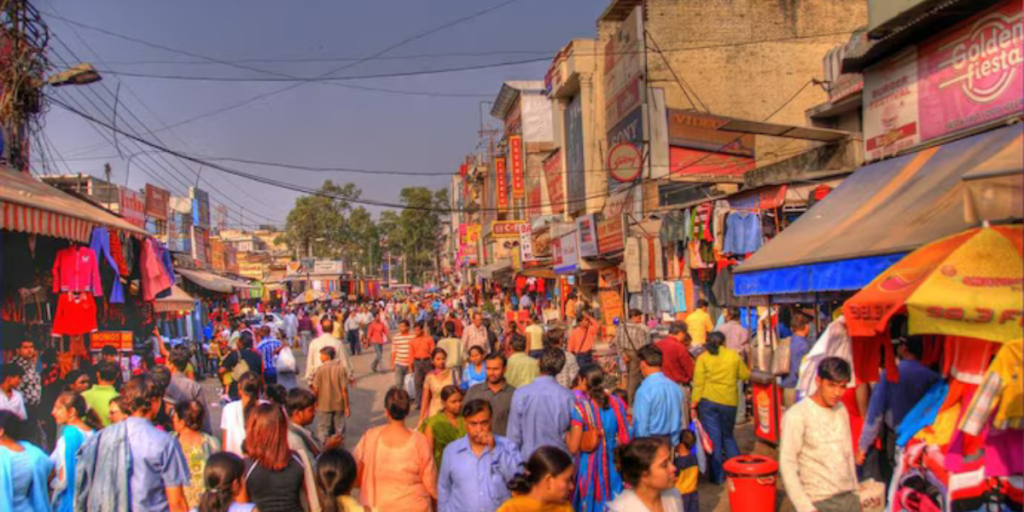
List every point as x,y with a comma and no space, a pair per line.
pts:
157,202
553,177
515,150
501,184
132,207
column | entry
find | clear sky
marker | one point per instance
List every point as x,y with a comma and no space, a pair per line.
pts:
315,124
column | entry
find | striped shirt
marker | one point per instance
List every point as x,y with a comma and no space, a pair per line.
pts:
266,349
401,349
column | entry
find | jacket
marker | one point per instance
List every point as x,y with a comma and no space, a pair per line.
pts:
102,473
99,242
154,274
76,269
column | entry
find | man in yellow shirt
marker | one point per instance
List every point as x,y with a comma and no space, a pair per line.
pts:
534,337
699,324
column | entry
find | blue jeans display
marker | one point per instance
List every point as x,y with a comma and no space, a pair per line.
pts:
719,421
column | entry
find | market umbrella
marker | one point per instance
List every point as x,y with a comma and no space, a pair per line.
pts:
970,284
309,296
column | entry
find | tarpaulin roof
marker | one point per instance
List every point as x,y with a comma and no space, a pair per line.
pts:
881,212
31,206
212,282
178,300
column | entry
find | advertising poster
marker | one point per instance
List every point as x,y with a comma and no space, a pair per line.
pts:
697,163
508,228
157,202
553,177
567,254
200,207
217,257
501,183
132,207
586,228
515,157
526,245
575,171
890,106
696,130
623,64
609,283
231,259
972,74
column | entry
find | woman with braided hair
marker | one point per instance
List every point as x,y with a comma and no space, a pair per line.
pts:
224,489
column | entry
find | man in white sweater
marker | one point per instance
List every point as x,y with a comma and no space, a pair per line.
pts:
816,455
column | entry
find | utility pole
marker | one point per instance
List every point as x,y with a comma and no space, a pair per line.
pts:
27,36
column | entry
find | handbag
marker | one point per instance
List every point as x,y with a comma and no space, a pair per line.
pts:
284,361
592,434
780,357
240,368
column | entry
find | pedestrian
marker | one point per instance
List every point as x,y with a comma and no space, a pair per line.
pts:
300,405
545,485
688,469
268,347
646,465
183,389
377,335
286,365
398,463
475,371
597,428
496,391
475,468
76,381
476,334
149,475
421,348
162,377
716,376
656,409
330,386
326,339
677,364
446,426
197,446
234,415
351,325
75,424
815,457
223,486
305,330
452,346
581,338
699,324
31,388
799,346
291,326
630,338
336,473
116,408
492,337
439,377
274,478
109,354
239,362
542,410
555,338
24,469
10,398
401,353
522,368
534,337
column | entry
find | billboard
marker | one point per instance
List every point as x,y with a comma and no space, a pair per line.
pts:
575,163
623,65
217,261
508,228
132,206
586,229
890,106
501,183
200,207
553,177
515,152
695,130
157,202
566,253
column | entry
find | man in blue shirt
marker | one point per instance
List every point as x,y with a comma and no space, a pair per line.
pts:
475,468
890,401
268,348
657,407
541,410
799,346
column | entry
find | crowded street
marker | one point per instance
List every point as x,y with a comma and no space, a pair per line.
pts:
512,256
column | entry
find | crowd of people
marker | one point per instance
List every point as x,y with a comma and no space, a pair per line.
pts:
483,416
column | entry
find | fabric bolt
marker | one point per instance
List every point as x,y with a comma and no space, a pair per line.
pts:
99,243
657,408
468,482
540,415
76,269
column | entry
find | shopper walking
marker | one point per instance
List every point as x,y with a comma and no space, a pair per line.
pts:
629,339
421,347
545,485
541,411
475,468
717,375
438,378
24,469
330,386
657,408
75,424
496,391
377,334
646,465
274,475
197,446
446,426
597,428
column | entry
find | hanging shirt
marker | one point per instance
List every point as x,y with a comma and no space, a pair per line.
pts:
99,242
742,233
76,269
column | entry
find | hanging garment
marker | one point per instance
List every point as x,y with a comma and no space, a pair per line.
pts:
1000,393
76,269
117,251
646,269
673,227
632,260
659,264
967,359
76,314
164,256
99,242
154,275
742,233
680,297
721,211
662,298
687,225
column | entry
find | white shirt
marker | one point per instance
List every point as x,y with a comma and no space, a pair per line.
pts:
232,425
364,318
352,323
816,456
15,403
313,354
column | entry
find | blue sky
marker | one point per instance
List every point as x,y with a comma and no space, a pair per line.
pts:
315,124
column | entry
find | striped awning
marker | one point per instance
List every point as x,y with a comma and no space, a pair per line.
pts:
31,206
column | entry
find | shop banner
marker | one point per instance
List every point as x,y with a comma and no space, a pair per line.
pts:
157,202
534,190
201,247
231,259
553,176
327,267
217,261
526,244
132,206
575,164
972,73
515,156
586,228
890,106
609,282
179,232
200,207
508,228
501,184
695,164
517,259
696,130
120,340
611,232
566,253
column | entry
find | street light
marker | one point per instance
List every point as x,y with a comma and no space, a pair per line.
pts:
79,74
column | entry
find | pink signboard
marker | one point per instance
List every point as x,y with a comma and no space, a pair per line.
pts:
972,74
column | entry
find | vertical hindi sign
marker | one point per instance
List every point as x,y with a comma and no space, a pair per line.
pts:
501,183
515,150
556,187
201,246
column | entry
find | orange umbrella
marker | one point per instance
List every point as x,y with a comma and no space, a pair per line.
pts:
970,284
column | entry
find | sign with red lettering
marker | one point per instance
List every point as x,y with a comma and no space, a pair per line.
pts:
556,187
157,201
625,162
515,151
120,340
501,183
508,228
132,207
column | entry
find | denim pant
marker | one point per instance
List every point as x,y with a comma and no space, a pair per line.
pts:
378,351
329,423
719,421
353,341
400,373
421,367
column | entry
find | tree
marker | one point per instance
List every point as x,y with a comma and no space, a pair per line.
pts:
418,228
362,247
317,225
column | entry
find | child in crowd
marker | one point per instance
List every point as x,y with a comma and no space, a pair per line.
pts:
686,464
621,393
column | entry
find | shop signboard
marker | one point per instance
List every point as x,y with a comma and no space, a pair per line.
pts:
624,162
843,85
890,106
575,165
526,244
515,157
132,206
120,340
609,282
586,228
217,255
517,259
611,233
553,177
695,164
200,207
201,247
973,73
179,232
696,130
623,64
293,268
508,228
157,202
231,259
327,267
534,189
501,183
566,253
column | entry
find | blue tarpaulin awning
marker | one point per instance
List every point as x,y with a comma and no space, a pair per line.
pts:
880,213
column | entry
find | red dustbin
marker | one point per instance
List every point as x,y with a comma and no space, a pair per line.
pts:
751,483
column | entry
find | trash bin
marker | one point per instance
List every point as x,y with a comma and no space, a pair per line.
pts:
751,483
